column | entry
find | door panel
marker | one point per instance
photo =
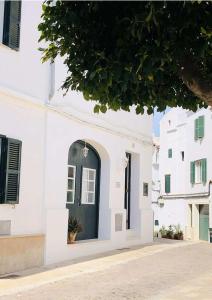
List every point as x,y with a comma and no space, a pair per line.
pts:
86,193
127,190
203,222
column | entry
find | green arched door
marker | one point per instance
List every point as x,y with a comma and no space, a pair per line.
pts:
83,188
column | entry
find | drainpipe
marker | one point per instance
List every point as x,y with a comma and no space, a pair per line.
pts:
195,195
51,81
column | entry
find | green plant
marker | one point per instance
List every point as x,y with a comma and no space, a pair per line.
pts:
74,225
163,231
132,54
170,232
178,235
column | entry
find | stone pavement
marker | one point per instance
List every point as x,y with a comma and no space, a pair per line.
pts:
165,270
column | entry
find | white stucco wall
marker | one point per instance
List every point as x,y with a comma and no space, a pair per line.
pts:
26,123
177,133
111,148
47,129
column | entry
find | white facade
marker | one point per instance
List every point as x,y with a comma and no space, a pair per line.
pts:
34,111
182,204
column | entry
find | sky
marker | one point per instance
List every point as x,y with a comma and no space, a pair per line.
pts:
156,121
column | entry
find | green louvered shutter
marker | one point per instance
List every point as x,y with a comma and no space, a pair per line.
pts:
204,170
170,153
201,127
196,129
12,17
192,172
13,171
3,163
167,184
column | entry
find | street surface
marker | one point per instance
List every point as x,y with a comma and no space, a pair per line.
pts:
165,270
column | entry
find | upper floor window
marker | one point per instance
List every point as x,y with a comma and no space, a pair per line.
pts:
170,153
167,184
199,127
182,155
199,171
10,16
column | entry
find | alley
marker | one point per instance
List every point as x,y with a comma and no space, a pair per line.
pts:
164,270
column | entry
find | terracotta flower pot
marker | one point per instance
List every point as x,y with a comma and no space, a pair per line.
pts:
72,237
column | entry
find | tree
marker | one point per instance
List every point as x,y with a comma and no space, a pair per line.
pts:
147,54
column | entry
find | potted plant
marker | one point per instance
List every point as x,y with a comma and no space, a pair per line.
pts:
178,233
74,227
163,232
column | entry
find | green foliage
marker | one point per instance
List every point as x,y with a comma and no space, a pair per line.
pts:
172,232
122,54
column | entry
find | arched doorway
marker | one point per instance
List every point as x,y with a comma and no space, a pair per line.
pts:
83,188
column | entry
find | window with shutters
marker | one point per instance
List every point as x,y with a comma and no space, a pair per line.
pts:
10,17
198,171
199,127
10,170
170,153
167,184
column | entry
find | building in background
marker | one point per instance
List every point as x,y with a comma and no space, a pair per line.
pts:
156,182
59,159
185,172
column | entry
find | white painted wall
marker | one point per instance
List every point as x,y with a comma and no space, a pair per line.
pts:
25,122
180,137
61,133
47,130
22,70
177,133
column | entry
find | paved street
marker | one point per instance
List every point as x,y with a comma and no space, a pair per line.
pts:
166,270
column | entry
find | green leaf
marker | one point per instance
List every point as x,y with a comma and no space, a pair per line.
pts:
96,109
103,109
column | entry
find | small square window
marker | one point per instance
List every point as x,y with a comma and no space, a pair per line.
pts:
145,189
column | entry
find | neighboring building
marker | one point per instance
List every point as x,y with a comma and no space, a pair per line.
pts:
185,171
45,174
156,182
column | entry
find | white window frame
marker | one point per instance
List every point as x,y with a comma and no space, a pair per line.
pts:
84,191
198,171
74,179
1,20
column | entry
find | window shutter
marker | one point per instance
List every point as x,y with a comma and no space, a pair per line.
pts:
201,126
12,17
167,184
13,171
192,172
196,129
170,153
3,163
204,170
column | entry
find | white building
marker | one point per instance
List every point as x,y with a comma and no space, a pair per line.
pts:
44,176
185,171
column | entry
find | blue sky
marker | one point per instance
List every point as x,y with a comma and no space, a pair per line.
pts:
156,121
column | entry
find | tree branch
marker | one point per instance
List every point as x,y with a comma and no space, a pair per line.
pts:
193,79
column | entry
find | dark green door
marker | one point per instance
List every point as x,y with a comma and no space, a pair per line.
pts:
203,222
127,190
83,188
